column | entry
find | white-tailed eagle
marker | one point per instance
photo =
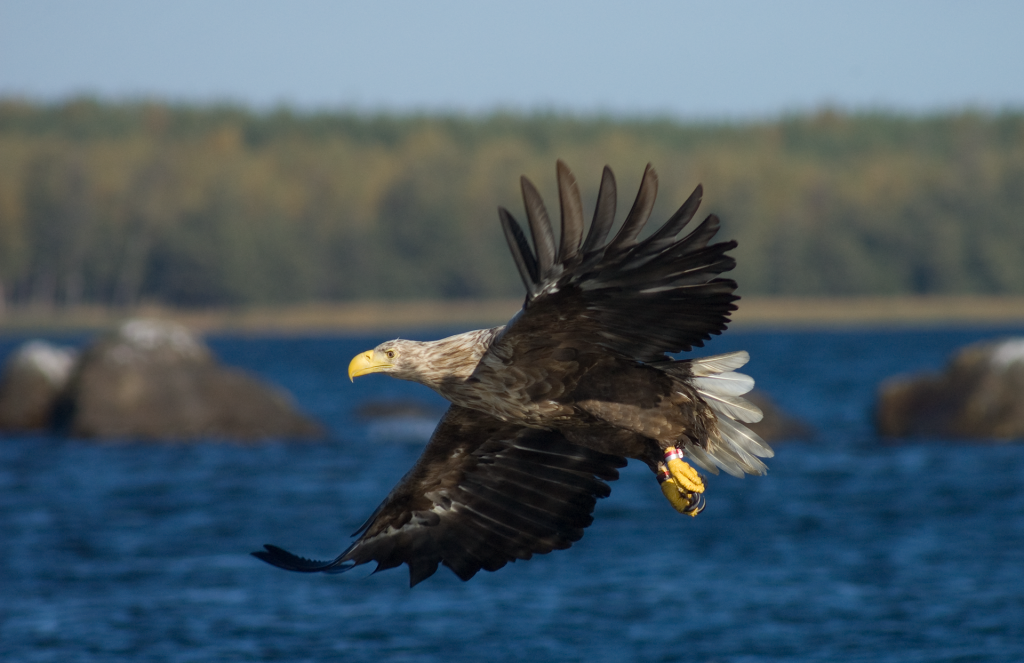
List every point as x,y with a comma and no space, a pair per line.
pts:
546,408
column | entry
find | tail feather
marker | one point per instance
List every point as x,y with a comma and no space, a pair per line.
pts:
733,407
701,457
733,447
718,364
729,383
743,437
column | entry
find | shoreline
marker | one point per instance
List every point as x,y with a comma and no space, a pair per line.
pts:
360,317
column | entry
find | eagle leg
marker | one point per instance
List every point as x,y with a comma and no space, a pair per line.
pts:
681,471
681,484
683,501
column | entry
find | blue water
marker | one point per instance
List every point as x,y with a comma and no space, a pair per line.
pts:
851,549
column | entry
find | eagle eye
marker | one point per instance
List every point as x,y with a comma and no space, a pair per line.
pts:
390,354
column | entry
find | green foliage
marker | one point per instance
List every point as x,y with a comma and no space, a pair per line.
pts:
124,203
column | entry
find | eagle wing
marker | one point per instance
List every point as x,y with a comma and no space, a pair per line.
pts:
637,299
628,300
482,494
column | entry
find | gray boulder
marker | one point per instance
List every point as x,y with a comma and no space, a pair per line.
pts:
154,380
979,395
34,377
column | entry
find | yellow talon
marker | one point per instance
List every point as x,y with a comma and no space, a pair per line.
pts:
681,471
686,502
680,501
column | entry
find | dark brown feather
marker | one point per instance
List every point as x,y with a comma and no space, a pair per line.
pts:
540,228
604,213
482,494
572,213
666,235
525,261
638,214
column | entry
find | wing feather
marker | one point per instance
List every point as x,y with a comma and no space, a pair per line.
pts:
636,300
638,214
604,214
484,493
525,261
666,235
540,228
572,214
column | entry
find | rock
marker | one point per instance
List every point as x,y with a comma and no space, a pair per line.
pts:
979,395
776,425
155,380
33,378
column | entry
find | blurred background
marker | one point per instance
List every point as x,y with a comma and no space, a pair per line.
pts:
239,154
303,180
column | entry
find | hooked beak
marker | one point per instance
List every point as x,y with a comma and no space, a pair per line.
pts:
364,363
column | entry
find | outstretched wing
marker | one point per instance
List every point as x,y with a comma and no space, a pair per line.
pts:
637,299
484,493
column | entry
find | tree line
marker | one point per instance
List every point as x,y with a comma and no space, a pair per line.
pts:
124,203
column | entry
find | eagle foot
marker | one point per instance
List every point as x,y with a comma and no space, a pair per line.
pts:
684,501
685,476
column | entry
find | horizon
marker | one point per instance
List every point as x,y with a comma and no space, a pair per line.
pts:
524,114
738,61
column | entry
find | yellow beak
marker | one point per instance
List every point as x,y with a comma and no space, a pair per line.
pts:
364,363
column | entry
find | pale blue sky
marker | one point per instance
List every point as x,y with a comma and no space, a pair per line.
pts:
723,59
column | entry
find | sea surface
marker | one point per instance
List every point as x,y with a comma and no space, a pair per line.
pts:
851,549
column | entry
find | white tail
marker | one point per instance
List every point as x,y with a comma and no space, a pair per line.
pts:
734,448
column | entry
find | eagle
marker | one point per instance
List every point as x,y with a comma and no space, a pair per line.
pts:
546,408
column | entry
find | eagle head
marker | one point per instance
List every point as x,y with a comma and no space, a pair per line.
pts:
397,358
428,362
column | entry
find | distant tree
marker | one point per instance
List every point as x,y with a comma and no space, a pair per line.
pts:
207,206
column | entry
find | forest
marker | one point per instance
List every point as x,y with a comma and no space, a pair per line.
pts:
121,204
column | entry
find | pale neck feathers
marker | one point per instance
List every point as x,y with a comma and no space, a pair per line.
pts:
438,363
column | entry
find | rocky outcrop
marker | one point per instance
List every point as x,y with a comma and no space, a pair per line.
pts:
34,377
777,425
979,395
150,380
155,380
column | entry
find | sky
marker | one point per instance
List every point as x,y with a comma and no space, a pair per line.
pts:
728,59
